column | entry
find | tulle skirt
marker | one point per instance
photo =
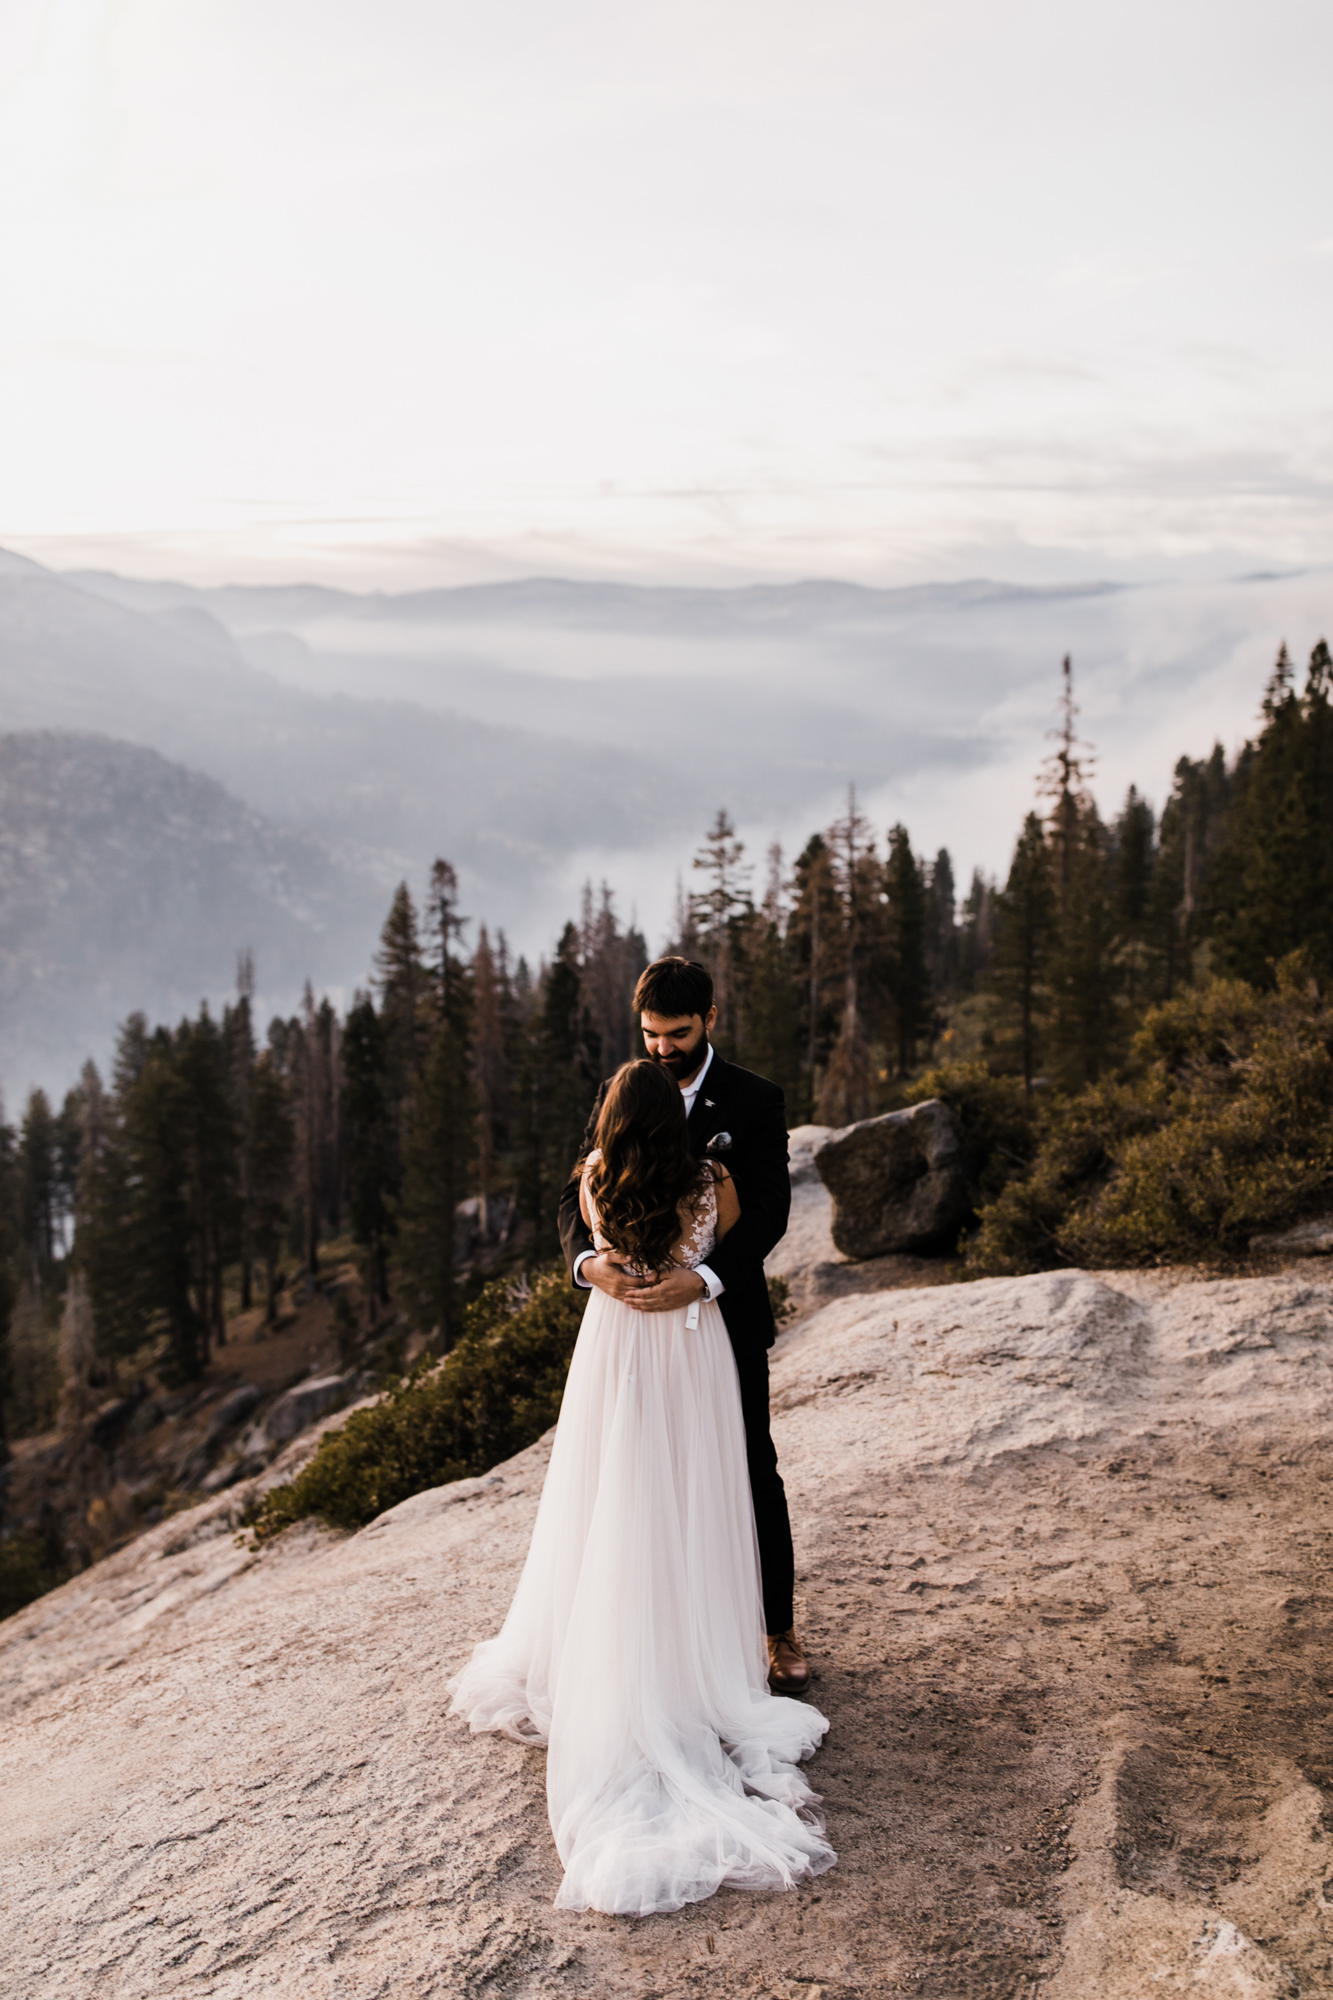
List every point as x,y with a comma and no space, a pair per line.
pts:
634,1646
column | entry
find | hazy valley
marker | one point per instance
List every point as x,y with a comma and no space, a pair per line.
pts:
535,733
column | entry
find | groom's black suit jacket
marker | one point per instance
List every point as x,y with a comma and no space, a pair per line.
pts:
749,1111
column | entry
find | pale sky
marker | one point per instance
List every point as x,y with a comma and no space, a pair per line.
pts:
421,292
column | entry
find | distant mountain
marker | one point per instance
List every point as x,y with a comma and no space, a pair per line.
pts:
386,783
542,731
129,882
932,700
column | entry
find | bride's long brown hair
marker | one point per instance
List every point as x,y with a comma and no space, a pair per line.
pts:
647,1169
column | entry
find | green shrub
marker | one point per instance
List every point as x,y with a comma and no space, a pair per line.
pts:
1224,1128
1027,1225
496,1392
994,1121
25,1572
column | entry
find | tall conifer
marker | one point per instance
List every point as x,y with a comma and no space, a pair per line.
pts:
270,1149
909,969
374,1172
1025,925
440,1144
1270,888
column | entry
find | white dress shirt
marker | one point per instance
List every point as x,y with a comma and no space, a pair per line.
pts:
689,1091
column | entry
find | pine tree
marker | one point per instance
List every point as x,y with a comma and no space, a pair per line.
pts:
1191,828
942,940
976,935
909,971
445,929
813,945
860,949
270,1149
157,1223
1270,887
1083,971
684,938
1134,854
76,1353
39,1176
716,913
331,1166
492,1081
558,1082
104,1242
1025,925
34,1374
374,1173
772,1029
1065,779
439,1148
10,1240
211,1141
239,1036
435,1179
69,1144
404,984
611,962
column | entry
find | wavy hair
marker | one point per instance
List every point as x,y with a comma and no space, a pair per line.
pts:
646,1170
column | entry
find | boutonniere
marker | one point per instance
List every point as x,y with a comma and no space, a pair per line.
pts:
709,1104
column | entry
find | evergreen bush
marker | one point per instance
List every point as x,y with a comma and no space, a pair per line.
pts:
497,1391
1223,1128
994,1121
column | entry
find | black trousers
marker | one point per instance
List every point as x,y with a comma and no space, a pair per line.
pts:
777,1566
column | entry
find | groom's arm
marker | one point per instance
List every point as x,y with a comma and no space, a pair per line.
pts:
764,1187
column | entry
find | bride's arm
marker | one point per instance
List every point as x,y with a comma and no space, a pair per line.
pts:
728,1203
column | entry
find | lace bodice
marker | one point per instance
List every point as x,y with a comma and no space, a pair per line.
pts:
700,1233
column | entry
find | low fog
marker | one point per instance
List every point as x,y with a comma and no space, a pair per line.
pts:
538,734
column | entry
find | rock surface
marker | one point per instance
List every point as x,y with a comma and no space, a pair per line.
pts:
1306,1239
807,1257
1066,1573
305,1404
896,1181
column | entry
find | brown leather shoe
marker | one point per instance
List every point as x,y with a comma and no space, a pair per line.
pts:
788,1668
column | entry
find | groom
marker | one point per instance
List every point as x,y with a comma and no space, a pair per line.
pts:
740,1120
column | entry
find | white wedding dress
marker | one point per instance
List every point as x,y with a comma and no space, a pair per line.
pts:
634,1646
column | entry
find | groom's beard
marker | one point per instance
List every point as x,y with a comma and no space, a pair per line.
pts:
685,1062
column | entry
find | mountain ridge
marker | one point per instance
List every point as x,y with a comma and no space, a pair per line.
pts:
131,883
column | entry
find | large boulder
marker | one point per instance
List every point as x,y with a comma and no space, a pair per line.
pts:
232,1409
897,1182
306,1404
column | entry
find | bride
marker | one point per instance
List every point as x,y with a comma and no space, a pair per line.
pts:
634,1647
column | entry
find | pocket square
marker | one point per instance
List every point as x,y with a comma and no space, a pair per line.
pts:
719,1143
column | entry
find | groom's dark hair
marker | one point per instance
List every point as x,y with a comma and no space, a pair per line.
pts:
674,986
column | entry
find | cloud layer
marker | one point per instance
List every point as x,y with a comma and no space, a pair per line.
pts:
436,293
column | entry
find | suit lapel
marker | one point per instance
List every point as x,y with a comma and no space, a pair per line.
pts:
707,1118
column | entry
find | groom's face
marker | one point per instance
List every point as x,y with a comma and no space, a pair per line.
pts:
678,1041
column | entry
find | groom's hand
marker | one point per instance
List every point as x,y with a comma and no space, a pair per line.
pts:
678,1288
617,1280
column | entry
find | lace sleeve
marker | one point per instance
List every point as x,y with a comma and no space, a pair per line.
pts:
594,1225
700,1232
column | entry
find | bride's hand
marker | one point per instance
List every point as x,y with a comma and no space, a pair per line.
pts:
682,1287
617,1280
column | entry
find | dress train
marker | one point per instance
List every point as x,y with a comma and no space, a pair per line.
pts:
634,1646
